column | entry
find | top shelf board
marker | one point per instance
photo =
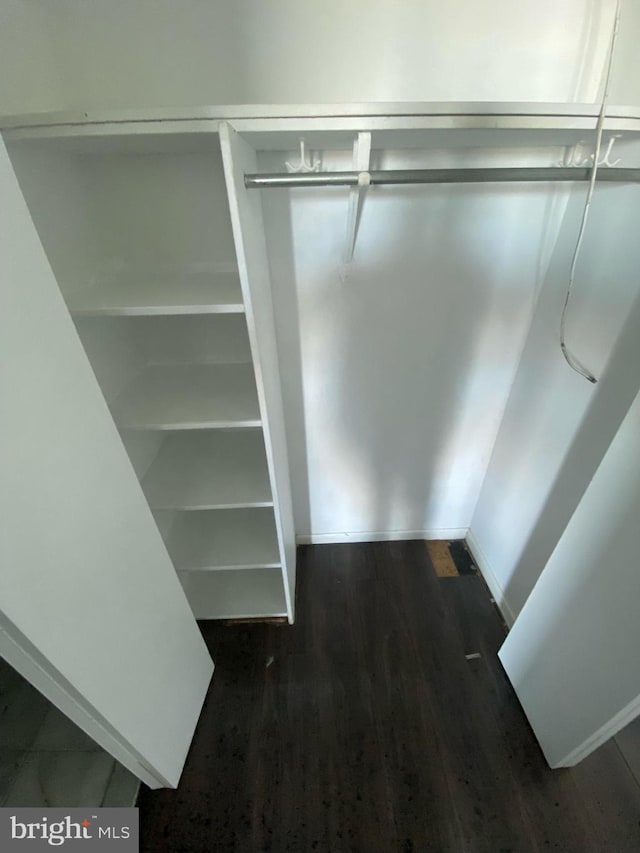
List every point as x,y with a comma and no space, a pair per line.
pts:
216,293
206,117
195,129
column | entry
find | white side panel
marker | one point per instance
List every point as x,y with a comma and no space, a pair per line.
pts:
515,525
572,654
87,590
248,231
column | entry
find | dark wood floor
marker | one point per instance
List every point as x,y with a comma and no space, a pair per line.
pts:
365,728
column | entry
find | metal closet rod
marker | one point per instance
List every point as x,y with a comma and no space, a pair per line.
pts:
440,176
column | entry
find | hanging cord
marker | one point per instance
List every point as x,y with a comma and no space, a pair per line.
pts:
571,360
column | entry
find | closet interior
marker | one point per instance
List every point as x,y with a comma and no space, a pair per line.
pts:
394,318
292,365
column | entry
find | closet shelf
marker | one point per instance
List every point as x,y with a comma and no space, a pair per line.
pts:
131,296
194,396
234,595
209,470
224,539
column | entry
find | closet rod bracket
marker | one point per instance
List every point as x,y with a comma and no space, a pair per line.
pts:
361,163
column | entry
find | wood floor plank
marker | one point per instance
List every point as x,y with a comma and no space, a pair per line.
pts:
365,727
441,559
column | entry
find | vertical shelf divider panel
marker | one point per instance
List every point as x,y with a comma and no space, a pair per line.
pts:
249,236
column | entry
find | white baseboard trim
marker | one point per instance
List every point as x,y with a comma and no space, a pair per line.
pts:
380,536
492,582
608,730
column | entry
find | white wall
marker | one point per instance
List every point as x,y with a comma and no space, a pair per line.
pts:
573,654
29,68
395,380
515,524
114,53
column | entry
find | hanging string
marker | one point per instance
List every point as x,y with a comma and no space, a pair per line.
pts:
571,360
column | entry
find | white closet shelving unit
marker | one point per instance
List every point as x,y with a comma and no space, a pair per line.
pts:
159,251
138,233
